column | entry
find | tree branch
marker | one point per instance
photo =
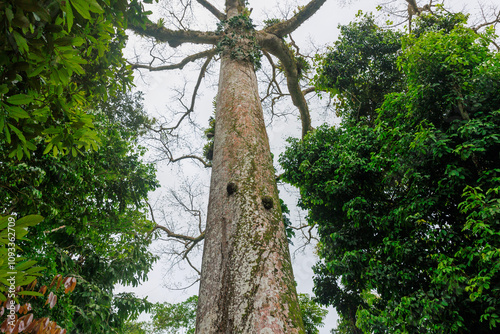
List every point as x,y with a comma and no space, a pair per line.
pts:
286,27
180,65
277,47
206,164
174,38
171,234
211,8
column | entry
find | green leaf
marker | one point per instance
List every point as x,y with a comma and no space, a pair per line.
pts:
36,71
20,99
25,265
82,7
95,7
69,16
48,148
18,133
51,131
30,293
31,146
21,42
7,134
4,89
17,112
30,220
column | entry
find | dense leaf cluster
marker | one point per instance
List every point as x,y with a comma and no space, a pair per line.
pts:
407,204
62,92
58,59
94,226
360,68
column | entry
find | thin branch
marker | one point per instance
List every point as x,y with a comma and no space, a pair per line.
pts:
55,229
206,164
494,21
171,234
211,8
190,109
192,266
180,65
308,90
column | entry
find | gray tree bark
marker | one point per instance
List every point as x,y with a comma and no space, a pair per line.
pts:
247,283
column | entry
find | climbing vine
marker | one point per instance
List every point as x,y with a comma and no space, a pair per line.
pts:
238,39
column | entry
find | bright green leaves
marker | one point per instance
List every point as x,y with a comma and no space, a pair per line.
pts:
407,204
360,68
14,269
48,52
85,7
20,99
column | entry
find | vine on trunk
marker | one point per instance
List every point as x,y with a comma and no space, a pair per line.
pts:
238,39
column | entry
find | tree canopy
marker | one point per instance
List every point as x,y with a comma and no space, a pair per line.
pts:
407,204
69,152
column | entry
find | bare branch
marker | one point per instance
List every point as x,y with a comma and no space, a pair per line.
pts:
286,27
171,234
192,266
308,90
206,164
55,229
189,109
211,8
494,21
180,65
174,38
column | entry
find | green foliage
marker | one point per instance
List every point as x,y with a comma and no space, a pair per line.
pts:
208,149
290,233
62,91
12,264
270,22
172,318
58,60
312,314
407,204
360,68
168,319
95,226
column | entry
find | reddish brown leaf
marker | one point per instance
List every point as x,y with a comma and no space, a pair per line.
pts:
43,289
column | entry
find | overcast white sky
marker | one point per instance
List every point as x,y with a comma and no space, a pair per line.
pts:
322,30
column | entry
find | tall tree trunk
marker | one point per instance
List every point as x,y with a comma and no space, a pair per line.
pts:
247,283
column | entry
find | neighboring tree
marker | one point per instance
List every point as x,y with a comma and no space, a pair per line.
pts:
175,318
68,151
407,208
18,282
95,226
58,60
312,314
360,68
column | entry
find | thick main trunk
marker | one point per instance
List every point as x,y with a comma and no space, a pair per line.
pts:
247,283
